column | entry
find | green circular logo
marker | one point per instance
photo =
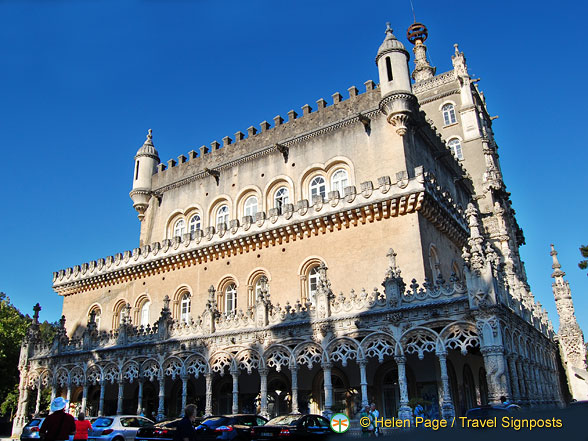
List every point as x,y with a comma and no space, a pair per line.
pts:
340,423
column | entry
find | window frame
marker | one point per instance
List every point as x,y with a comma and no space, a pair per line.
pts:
449,114
280,200
181,229
247,206
185,301
314,188
455,146
232,289
197,224
339,184
222,218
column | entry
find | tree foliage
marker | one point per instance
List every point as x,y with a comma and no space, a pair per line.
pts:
13,328
583,264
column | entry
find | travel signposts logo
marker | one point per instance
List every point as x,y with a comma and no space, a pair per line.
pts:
340,423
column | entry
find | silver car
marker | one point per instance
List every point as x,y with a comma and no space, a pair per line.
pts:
117,428
31,430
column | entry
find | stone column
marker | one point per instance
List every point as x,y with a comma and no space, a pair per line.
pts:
263,391
184,378
121,392
531,390
327,411
84,396
363,382
516,394
537,380
235,375
161,407
405,412
140,397
23,402
447,409
53,391
496,374
101,403
521,377
294,373
38,402
208,409
68,396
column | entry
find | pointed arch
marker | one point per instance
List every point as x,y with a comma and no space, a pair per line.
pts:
344,349
309,354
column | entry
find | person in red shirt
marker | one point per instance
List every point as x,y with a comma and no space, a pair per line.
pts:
82,427
59,425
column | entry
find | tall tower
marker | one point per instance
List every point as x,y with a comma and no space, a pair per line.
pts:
146,161
417,33
571,339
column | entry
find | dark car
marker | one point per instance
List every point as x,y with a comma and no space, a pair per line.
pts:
308,427
162,431
31,430
228,427
488,412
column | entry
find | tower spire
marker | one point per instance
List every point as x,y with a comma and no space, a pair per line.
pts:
417,33
571,339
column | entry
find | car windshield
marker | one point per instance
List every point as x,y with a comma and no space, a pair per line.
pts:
216,421
102,422
34,422
284,420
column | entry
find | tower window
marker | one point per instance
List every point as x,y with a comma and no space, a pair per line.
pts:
195,223
449,114
389,69
145,313
313,279
231,299
180,228
339,181
137,171
222,215
251,206
281,199
318,186
455,147
185,307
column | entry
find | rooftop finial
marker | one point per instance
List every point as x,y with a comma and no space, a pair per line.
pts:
456,46
149,136
557,272
388,28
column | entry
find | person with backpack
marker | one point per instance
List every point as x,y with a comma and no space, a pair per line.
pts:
59,425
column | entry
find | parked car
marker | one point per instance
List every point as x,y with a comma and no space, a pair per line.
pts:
307,427
117,428
162,431
228,427
31,430
487,412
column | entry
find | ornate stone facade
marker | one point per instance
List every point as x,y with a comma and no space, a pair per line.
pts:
250,319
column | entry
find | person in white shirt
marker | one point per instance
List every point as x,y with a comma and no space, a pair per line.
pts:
375,416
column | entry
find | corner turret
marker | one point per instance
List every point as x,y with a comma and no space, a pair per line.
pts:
146,161
397,101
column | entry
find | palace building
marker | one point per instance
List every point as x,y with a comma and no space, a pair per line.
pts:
364,250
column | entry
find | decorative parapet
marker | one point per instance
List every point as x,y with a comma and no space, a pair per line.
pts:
388,199
434,82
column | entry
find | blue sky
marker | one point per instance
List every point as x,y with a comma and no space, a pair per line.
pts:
82,81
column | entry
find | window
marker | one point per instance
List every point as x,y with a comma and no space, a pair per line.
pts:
195,223
318,186
185,307
231,299
258,288
313,280
222,215
97,313
339,181
180,228
455,147
251,206
449,114
145,313
137,171
434,262
281,199
389,69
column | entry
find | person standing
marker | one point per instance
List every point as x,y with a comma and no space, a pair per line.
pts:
83,426
59,425
185,428
366,430
375,413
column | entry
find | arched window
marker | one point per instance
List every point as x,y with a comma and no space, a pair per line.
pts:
449,114
251,206
231,299
455,147
97,315
145,313
313,280
318,186
222,215
434,262
180,228
281,198
185,307
339,181
195,223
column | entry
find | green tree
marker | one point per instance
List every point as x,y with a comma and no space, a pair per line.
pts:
583,264
13,328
